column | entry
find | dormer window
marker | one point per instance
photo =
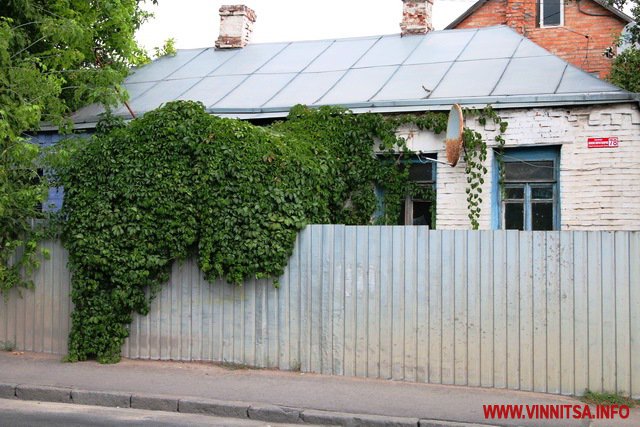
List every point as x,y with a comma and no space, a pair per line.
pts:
550,13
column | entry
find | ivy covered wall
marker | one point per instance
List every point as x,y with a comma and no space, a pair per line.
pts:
179,182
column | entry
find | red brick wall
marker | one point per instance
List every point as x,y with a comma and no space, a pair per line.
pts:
491,13
568,42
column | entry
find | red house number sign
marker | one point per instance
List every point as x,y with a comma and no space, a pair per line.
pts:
611,142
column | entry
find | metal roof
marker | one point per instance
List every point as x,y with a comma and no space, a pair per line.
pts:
477,5
385,73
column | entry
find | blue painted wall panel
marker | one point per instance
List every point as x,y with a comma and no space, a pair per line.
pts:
56,194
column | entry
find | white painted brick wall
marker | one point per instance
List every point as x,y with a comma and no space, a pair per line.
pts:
599,188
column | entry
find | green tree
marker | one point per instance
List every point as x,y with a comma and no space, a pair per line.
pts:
625,70
55,56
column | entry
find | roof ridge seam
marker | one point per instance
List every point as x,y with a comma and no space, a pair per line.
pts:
298,73
248,76
184,65
504,70
452,63
397,69
346,72
157,82
188,89
566,66
304,70
221,64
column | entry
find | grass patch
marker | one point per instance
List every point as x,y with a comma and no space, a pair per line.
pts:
608,399
234,366
297,367
7,346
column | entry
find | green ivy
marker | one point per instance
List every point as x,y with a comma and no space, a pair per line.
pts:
396,190
21,219
180,183
475,156
167,49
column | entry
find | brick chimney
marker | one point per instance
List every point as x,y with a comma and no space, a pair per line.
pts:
416,17
236,25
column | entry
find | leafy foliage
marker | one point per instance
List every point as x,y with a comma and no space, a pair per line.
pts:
625,70
608,399
349,139
20,193
475,156
55,56
632,6
179,182
396,191
167,49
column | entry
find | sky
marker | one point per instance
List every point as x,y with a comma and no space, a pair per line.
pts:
195,23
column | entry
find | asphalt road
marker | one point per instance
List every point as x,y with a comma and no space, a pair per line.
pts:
20,413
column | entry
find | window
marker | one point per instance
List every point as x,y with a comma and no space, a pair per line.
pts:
418,209
550,13
530,198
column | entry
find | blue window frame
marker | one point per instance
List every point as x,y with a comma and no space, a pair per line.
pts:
530,200
415,210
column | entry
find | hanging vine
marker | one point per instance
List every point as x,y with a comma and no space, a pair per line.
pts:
178,183
396,191
475,156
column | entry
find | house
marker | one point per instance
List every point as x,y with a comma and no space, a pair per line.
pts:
582,32
572,145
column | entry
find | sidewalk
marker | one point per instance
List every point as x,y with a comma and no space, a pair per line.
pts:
267,395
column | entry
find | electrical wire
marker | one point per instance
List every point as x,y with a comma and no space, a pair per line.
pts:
527,163
566,169
424,162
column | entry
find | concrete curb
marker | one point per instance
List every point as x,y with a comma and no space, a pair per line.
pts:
154,403
219,408
101,398
222,408
274,413
345,419
43,393
8,391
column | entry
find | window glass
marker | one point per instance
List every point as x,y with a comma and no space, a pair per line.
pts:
514,193
542,216
419,172
529,171
542,193
421,212
514,216
530,197
551,12
418,211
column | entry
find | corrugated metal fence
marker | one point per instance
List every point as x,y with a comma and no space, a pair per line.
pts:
555,312
40,320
